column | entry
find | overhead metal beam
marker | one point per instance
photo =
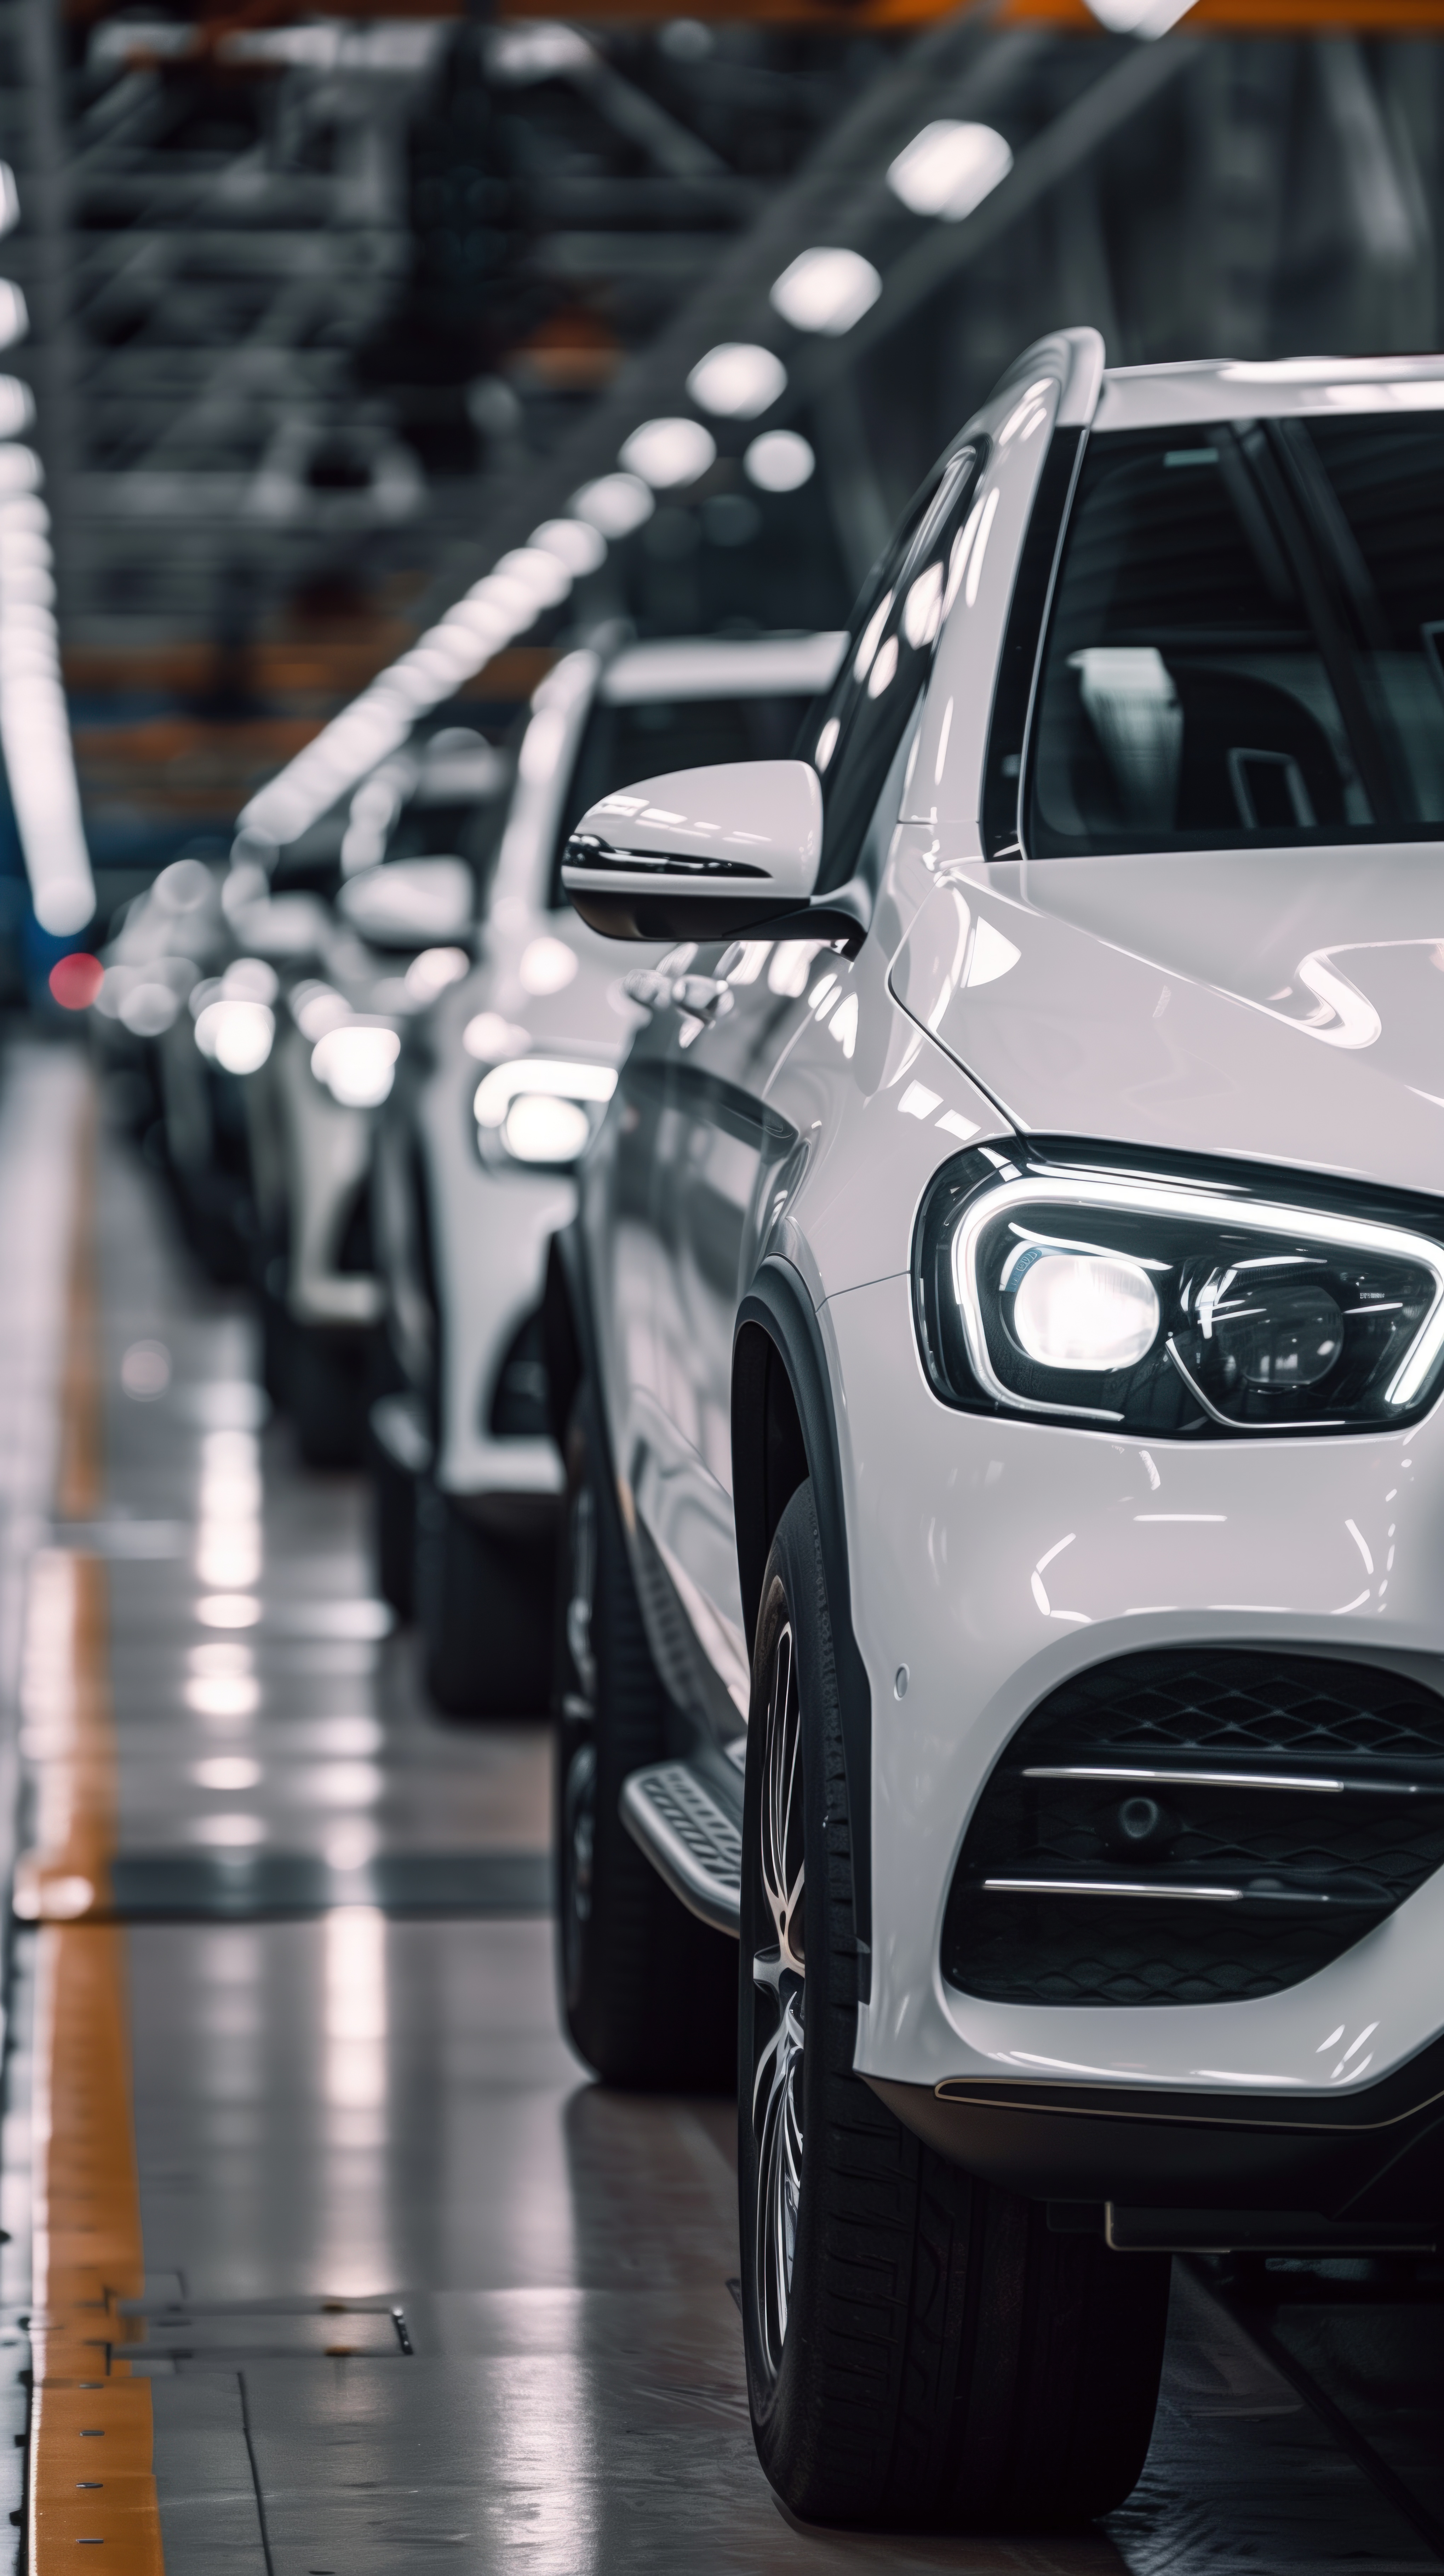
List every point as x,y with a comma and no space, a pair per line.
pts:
960,69
1065,147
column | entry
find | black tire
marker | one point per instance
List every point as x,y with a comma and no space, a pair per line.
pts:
647,1992
484,1607
275,1333
393,1531
931,2358
326,1383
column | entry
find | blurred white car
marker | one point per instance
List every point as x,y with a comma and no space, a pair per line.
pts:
389,923
174,940
500,1087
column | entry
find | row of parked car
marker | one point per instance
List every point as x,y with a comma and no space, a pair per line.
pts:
906,1166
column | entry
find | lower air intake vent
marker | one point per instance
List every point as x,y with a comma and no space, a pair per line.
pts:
1196,1828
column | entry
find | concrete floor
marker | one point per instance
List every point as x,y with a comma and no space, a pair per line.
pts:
418,2293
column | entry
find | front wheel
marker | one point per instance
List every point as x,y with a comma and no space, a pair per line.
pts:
921,2351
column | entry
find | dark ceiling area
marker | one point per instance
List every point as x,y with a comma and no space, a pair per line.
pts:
324,315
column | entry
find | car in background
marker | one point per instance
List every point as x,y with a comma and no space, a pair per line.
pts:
499,1087
1001,1352
360,931
173,941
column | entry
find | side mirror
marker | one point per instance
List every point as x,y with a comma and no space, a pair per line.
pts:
700,854
410,903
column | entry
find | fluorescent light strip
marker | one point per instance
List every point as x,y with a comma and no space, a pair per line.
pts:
34,718
494,612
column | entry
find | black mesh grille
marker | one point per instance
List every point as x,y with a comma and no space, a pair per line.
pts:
1323,1810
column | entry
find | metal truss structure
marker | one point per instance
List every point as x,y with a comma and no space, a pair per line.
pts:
340,310
310,286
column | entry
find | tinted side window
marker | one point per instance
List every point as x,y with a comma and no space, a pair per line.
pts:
624,743
852,740
1387,478
1244,647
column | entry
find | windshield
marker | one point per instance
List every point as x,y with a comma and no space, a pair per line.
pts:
653,735
1245,644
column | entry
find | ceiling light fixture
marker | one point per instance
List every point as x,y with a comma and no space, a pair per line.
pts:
669,453
581,547
779,461
17,407
826,290
738,380
1139,17
615,504
949,169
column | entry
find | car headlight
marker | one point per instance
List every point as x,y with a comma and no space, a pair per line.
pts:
1179,1304
357,1063
541,1109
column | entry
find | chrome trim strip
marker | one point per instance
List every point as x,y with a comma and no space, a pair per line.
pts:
1233,1780
1164,1892
1109,1887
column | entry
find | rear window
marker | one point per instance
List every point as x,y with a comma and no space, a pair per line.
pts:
1245,644
644,740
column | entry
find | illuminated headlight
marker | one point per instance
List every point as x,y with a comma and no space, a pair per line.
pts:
1177,1306
1080,1310
235,1034
542,1109
357,1063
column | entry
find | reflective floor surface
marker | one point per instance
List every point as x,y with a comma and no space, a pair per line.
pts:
416,2293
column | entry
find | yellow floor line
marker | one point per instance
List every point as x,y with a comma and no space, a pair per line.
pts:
91,2478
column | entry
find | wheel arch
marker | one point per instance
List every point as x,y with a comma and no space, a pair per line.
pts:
784,1432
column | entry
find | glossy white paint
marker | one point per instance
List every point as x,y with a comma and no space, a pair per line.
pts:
326,1148
1279,1007
760,818
1055,383
995,1558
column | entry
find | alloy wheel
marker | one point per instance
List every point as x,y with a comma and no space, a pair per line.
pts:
780,1973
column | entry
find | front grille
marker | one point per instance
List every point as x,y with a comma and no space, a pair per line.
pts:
1190,1828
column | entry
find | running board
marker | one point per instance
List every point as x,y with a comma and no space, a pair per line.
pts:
689,1838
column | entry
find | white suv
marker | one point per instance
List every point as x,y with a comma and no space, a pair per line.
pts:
1006,1465
499,1088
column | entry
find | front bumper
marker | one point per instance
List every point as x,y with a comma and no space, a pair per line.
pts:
327,1161
490,1232
992,1559
1365,2165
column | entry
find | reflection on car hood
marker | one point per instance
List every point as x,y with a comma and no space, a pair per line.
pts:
1283,1006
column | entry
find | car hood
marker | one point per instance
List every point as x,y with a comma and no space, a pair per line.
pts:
1285,1006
